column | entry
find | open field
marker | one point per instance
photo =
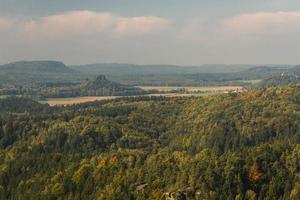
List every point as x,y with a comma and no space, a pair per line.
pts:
253,81
75,100
211,89
78,100
187,91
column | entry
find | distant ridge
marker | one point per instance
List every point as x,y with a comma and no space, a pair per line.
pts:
264,72
103,87
100,86
37,71
118,69
32,72
280,80
47,66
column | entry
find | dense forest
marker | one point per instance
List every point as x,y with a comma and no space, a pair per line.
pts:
231,146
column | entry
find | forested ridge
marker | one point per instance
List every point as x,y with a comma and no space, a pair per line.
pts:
18,73
33,76
99,86
231,146
281,80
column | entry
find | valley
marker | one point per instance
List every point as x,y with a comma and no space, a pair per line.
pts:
156,135
149,100
42,80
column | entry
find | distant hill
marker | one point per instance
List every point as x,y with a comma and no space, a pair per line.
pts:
103,87
254,73
184,75
100,86
295,70
280,80
32,73
116,69
100,82
263,72
37,71
36,66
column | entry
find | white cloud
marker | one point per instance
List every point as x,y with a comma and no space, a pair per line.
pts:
199,31
260,37
85,22
70,23
245,29
139,25
264,23
5,24
85,36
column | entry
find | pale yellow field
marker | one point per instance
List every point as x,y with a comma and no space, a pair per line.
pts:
76,100
193,89
188,91
169,95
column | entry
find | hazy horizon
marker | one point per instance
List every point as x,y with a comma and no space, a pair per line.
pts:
155,64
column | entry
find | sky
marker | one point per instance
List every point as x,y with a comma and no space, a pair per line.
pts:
189,32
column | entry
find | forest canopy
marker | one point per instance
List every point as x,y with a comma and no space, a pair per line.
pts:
231,146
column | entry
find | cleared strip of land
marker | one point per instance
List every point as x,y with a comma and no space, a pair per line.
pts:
78,100
192,88
75,100
167,92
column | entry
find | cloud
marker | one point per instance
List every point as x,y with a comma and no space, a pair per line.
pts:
140,25
84,22
86,36
264,23
248,29
70,23
199,31
5,24
260,37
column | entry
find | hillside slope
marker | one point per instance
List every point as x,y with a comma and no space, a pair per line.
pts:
101,86
184,75
281,80
37,71
233,146
33,72
116,69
